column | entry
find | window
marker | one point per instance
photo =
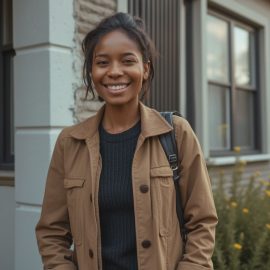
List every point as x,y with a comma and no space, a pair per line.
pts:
6,87
232,86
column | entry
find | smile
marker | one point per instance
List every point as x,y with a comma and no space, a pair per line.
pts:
116,87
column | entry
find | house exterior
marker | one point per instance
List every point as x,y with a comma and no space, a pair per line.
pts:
213,67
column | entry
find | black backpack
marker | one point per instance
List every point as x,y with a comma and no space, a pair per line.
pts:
168,143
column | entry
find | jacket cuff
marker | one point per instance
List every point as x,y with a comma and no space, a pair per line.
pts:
191,266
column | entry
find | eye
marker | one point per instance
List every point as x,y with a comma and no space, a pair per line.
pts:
129,61
102,63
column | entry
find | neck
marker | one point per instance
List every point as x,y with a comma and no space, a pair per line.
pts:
117,119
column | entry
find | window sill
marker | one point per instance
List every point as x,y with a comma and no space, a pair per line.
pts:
7,178
219,161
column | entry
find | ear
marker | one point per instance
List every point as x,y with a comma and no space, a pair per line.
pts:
146,70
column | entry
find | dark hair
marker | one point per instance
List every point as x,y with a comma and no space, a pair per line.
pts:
135,29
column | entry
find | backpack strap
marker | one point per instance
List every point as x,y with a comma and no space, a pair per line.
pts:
168,143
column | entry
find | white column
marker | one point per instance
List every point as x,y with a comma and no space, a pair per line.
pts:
43,41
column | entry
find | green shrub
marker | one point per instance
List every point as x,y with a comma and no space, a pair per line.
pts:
243,232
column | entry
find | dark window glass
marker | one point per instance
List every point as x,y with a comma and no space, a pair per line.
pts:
6,87
244,119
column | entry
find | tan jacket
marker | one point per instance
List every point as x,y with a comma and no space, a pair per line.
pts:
70,207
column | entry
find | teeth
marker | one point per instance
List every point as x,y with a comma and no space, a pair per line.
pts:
117,87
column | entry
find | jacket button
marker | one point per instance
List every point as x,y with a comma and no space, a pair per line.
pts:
91,198
144,188
146,243
91,253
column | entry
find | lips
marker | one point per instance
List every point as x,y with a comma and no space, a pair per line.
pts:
116,87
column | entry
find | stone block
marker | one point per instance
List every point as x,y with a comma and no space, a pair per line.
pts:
26,250
43,87
33,149
43,21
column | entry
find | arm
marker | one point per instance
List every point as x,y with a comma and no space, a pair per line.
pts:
53,230
197,199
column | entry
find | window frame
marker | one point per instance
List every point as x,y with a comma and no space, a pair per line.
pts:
233,87
198,61
6,98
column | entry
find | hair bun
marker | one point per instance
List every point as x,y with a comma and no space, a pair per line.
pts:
139,22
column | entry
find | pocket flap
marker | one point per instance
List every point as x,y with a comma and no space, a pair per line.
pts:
161,172
73,182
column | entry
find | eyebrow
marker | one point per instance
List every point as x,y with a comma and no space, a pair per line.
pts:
123,54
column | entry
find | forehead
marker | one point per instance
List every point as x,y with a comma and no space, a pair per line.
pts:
115,42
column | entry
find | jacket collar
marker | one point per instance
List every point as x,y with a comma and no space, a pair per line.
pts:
152,124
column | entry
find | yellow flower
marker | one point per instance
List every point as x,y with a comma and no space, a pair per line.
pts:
242,162
264,182
242,236
233,204
237,149
221,172
237,246
261,181
268,226
267,193
245,210
240,169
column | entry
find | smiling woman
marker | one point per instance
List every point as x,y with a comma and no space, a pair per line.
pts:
118,70
110,187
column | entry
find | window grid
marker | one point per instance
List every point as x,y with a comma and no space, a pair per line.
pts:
233,87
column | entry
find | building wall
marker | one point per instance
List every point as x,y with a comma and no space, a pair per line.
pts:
43,33
87,14
7,206
261,6
255,170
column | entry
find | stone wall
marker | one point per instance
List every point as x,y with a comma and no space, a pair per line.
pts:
87,14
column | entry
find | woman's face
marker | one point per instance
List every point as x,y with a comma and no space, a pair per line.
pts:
118,70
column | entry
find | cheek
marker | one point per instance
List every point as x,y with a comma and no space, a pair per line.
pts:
139,74
96,75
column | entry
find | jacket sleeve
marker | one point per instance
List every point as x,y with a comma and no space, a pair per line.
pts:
197,200
53,230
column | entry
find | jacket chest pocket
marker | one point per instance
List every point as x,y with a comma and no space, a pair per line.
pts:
164,197
74,188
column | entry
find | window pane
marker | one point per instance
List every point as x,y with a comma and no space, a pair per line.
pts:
219,115
244,119
243,47
217,49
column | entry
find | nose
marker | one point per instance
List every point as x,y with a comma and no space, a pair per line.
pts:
115,70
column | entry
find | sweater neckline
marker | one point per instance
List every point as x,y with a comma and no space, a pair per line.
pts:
128,134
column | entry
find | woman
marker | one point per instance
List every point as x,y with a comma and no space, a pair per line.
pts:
109,188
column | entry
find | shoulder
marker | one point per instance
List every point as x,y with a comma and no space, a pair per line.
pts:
67,131
184,133
181,125
80,130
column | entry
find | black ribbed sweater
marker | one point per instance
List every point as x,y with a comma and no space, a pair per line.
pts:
116,209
